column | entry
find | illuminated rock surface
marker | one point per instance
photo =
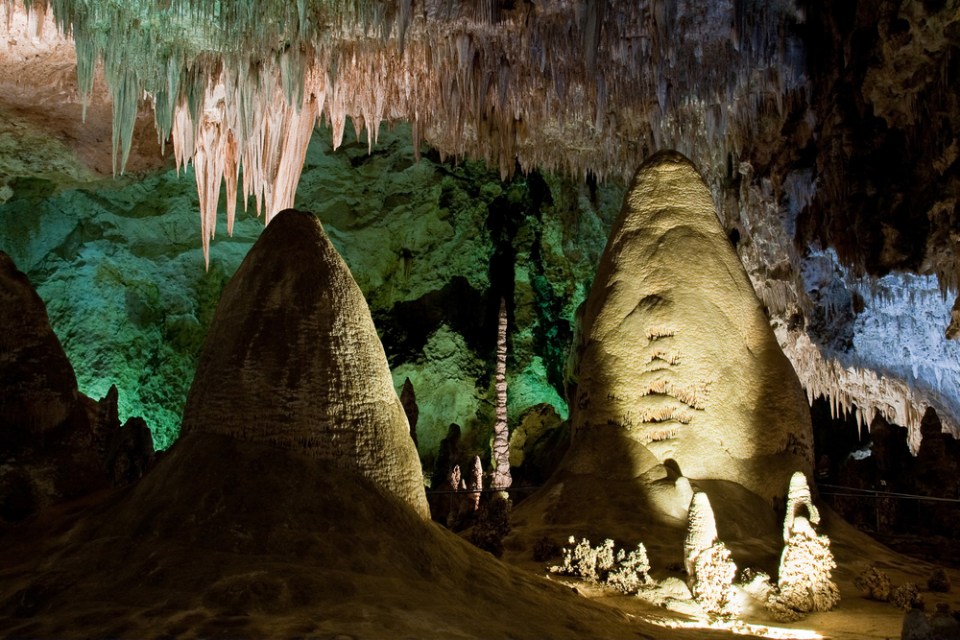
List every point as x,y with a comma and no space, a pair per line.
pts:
677,354
235,537
768,99
121,271
292,359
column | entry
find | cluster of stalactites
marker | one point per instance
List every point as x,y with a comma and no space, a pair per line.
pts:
561,85
860,391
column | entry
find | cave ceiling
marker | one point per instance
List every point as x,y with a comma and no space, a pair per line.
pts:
825,130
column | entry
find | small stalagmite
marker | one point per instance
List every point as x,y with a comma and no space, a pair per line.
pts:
677,354
292,358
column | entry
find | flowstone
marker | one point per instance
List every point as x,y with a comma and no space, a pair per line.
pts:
292,359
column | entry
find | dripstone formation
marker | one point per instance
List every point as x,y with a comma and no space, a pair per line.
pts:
56,444
292,358
677,355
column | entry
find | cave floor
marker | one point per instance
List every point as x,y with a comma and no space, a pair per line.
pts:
231,539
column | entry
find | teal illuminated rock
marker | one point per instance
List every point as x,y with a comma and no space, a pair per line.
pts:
292,359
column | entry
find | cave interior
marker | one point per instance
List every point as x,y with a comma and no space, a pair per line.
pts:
547,274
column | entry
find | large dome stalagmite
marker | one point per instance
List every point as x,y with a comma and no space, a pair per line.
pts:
676,350
292,358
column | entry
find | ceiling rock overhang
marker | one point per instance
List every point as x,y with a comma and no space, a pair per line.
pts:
794,140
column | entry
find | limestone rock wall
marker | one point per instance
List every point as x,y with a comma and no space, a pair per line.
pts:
38,389
119,267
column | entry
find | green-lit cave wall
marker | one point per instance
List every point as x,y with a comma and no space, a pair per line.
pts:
433,245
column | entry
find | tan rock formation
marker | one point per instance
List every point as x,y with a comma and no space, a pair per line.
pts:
677,355
798,497
292,359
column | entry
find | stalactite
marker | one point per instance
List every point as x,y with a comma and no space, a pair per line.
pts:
501,435
560,86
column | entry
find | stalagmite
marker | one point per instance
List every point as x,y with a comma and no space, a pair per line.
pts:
804,580
552,86
701,531
676,352
476,482
292,359
710,572
501,434
798,497
408,398
453,480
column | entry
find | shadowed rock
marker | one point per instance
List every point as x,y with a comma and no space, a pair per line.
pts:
293,359
677,354
38,389
53,439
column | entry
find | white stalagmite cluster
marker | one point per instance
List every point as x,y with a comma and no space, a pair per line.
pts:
804,580
559,85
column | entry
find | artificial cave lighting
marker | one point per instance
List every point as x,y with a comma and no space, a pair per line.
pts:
237,88
742,629
677,277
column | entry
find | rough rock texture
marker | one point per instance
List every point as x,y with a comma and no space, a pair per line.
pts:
124,284
804,578
916,626
874,583
907,596
862,168
538,441
943,625
234,538
55,443
844,143
48,446
292,359
38,389
676,350
122,275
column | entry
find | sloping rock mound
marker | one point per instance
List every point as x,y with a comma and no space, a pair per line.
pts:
292,359
38,389
55,443
239,539
48,449
677,356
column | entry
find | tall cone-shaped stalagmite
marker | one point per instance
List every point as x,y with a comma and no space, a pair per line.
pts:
293,359
677,354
